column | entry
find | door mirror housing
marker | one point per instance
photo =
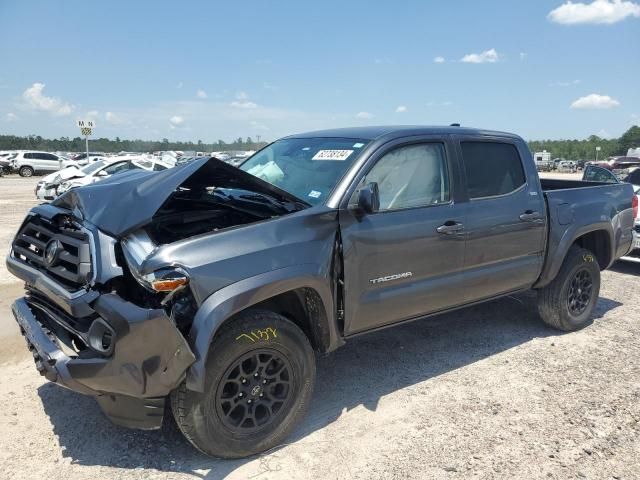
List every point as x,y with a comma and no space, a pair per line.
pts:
367,198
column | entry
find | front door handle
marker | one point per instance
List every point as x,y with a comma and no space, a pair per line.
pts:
531,216
450,228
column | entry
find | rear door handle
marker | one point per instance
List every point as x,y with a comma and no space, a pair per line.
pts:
531,216
450,228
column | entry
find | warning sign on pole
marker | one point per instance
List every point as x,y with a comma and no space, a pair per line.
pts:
86,129
86,124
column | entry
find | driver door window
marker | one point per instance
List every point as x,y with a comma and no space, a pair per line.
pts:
411,176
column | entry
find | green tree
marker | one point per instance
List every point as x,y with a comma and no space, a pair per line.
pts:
630,139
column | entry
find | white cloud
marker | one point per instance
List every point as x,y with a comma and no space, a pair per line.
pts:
11,117
242,101
564,84
176,121
258,125
596,12
364,115
401,109
112,118
36,99
523,56
438,60
245,104
201,94
595,101
604,134
488,56
447,103
93,113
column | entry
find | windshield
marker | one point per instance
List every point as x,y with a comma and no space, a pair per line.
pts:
308,168
92,167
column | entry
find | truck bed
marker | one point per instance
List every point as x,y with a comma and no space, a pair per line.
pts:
556,184
576,208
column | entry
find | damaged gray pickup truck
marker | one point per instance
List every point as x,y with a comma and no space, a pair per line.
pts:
209,287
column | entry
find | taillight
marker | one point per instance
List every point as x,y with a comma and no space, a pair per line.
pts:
634,205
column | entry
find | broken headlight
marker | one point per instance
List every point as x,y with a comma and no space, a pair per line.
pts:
164,280
136,248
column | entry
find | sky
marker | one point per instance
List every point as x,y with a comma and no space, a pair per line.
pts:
209,70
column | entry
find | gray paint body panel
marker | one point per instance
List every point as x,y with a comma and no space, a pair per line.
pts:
238,267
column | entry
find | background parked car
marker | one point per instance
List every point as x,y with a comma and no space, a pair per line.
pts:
46,189
618,163
28,163
5,161
567,166
82,159
106,170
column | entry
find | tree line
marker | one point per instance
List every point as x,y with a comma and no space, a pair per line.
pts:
568,149
586,149
107,145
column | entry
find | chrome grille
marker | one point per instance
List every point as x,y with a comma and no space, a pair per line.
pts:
62,252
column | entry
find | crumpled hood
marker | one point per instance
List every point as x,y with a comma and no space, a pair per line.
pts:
127,201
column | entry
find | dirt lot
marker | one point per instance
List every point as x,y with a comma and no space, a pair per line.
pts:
488,392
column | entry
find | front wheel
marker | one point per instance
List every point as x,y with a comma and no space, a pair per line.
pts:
259,381
26,171
568,301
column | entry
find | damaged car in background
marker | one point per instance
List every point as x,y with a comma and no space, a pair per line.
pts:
57,183
210,287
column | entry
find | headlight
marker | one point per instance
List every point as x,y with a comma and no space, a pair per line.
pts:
165,280
137,247
63,187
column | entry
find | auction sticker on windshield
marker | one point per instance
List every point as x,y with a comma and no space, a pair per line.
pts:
338,155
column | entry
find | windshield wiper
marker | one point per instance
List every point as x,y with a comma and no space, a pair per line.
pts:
264,198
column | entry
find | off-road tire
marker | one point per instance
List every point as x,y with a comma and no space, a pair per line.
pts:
255,332
26,171
554,299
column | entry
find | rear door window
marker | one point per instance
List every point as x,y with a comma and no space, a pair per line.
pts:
492,168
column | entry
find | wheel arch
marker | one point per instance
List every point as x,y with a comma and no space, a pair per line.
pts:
597,237
301,293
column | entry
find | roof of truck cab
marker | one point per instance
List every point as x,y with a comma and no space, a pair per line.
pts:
393,131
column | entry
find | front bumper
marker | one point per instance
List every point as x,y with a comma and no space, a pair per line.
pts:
148,358
44,192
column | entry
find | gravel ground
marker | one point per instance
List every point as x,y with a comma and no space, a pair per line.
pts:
487,392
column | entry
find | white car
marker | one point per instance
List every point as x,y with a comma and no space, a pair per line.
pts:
46,189
567,166
27,163
107,169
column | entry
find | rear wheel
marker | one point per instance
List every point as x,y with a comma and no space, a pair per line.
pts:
259,381
568,301
26,171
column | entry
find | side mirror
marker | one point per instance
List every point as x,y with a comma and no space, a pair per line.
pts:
368,198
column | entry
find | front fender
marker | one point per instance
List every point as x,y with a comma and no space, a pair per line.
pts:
228,301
